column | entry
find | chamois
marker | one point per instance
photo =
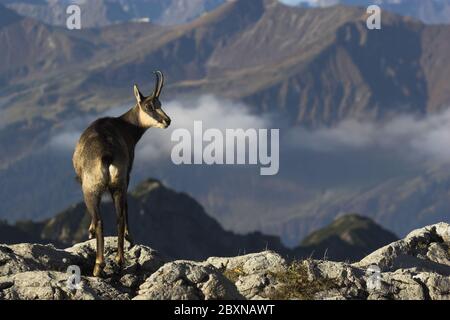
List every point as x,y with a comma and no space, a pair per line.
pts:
103,160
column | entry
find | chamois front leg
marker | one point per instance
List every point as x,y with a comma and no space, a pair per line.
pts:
119,198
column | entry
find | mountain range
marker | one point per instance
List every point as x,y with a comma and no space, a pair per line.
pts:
324,65
177,225
429,11
312,67
99,13
202,57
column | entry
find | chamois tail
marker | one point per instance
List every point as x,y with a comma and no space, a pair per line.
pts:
107,160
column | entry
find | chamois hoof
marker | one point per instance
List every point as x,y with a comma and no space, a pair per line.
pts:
98,269
120,261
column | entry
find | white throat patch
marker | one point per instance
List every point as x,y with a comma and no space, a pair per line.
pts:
146,121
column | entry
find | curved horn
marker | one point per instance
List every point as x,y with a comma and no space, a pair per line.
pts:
159,83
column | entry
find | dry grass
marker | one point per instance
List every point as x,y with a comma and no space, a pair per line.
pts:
293,282
233,274
296,285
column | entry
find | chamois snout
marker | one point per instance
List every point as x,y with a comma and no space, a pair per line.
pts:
165,120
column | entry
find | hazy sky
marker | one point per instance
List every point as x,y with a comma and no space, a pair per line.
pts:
291,1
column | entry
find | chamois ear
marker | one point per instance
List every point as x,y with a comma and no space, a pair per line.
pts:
138,94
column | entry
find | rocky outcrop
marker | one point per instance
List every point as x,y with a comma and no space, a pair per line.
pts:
416,267
33,271
253,274
187,280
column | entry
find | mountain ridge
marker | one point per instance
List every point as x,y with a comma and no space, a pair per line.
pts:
216,54
186,231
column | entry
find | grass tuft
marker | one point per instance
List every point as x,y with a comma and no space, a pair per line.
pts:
292,282
296,285
233,274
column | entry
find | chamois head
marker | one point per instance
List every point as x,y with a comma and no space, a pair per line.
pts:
150,113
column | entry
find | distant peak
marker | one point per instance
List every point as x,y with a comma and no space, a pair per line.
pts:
353,229
7,16
353,217
146,187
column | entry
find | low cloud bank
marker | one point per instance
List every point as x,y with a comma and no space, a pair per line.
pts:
212,111
424,138
420,138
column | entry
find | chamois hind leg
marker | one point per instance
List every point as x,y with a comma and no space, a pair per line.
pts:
91,229
128,236
92,201
119,198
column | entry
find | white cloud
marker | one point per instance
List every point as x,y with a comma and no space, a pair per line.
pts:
212,111
412,137
424,138
65,141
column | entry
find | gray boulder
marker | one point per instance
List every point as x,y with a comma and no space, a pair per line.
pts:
187,280
254,275
33,271
30,257
141,262
52,285
424,249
